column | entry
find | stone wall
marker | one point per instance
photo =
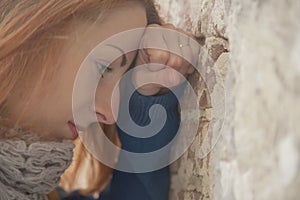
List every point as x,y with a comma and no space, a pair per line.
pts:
254,46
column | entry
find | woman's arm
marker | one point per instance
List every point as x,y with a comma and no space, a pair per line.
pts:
151,185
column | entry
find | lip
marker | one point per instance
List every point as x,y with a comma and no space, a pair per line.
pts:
73,129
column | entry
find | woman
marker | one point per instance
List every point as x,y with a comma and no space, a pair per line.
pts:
42,46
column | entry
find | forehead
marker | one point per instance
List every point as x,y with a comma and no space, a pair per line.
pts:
89,34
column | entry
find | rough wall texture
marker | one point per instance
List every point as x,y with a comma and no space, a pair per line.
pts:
255,51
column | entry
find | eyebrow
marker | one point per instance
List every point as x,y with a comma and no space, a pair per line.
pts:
124,58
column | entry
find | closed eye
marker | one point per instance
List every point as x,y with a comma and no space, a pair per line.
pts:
103,68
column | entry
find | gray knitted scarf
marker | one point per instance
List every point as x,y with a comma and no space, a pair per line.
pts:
30,168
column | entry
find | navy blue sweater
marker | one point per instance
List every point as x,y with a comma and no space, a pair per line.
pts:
151,185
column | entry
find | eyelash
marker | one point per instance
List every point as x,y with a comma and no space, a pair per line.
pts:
102,68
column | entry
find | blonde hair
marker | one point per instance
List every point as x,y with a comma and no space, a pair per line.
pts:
32,27
86,173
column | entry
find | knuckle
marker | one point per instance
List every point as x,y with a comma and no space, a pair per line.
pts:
158,55
175,61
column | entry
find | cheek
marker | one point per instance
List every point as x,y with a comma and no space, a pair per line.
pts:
107,100
115,101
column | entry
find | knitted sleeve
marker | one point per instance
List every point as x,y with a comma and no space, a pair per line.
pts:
151,185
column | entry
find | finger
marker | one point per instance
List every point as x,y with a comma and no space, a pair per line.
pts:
175,60
158,56
167,77
143,57
153,58
171,39
176,42
181,53
141,78
190,49
187,68
154,38
186,51
180,64
195,48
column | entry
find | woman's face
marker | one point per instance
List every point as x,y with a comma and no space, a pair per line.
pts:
49,110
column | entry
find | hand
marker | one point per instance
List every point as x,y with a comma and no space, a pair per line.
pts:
163,68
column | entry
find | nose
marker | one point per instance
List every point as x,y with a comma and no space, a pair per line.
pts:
107,105
105,119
